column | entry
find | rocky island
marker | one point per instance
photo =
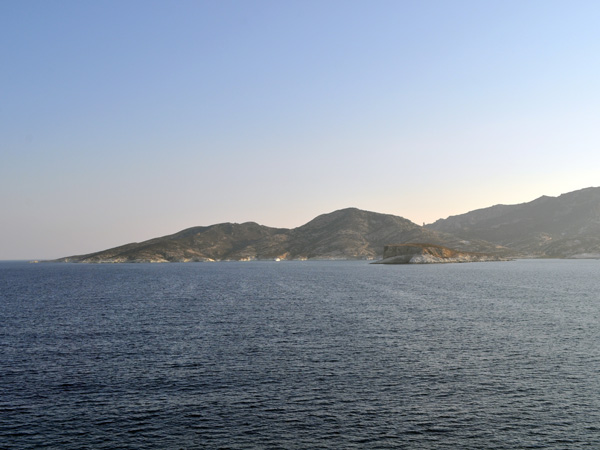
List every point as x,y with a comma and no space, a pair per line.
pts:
416,253
341,235
567,226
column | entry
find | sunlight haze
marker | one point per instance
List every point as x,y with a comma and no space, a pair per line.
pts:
124,121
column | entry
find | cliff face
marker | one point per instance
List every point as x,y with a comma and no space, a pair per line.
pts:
430,254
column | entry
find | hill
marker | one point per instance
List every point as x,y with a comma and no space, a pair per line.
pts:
345,234
567,226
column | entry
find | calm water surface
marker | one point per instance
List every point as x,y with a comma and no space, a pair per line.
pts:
298,355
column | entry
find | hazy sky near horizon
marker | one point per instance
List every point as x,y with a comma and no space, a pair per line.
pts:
125,120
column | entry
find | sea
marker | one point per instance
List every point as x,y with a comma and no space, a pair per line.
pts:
300,355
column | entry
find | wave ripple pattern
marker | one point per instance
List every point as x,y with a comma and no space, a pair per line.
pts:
300,355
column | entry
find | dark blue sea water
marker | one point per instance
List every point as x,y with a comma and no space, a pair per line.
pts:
295,355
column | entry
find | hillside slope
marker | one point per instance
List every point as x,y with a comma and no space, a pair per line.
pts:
345,234
564,226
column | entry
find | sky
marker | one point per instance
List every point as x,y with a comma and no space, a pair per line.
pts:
125,120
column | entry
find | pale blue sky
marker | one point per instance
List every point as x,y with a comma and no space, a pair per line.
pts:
125,120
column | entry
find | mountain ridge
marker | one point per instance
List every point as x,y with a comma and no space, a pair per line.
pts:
564,226
567,226
348,233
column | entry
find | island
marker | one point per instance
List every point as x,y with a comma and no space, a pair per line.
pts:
418,253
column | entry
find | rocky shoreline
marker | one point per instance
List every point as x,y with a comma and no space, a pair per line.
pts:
432,254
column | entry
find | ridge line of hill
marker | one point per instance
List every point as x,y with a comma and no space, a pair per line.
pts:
567,226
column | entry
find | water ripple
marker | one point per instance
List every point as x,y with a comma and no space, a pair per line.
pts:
300,355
